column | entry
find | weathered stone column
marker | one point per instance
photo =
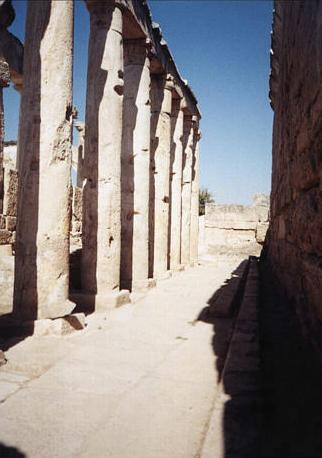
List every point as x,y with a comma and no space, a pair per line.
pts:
102,161
176,182
135,166
80,126
186,189
161,99
42,247
4,82
194,222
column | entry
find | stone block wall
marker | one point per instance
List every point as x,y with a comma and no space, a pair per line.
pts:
235,229
294,243
9,212
7,238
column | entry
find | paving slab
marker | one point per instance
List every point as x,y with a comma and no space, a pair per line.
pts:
137,381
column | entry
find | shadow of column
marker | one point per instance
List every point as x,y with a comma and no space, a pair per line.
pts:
10,452
239,416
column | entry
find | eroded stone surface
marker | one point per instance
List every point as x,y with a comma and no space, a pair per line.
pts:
294,242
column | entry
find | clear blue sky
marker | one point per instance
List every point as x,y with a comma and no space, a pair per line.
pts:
222,49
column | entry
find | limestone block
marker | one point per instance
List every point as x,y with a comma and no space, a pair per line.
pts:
68,324
11,223
261,200
2,222
77,203
6,279
230,216
5,237
6,250
10,192
262,213
261,230
60,326
76,227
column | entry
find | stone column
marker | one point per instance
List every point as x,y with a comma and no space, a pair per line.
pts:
161,99
80,126
135,166
42,247
194,223
4,82
102,161
176,182
186,189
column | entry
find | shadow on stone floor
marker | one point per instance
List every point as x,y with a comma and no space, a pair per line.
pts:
275,412
11,332
10,452
291,381
223,315
240,413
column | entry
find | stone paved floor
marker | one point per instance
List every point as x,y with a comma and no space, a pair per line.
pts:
140,383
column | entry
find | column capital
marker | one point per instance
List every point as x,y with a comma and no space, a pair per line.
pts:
100,7
176,106
168,82
136,50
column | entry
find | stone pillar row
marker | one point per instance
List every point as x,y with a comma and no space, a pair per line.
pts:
140,168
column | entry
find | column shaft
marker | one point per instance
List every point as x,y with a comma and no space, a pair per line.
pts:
194,224
186,190
1,147
161,98
176,182
42,247
135,166
4,82
102,161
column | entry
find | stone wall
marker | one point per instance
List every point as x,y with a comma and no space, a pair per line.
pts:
235,229
8,217
294,243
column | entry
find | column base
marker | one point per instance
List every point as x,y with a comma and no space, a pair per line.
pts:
102,301
179,268
56,310
44,326
143,285
58,327
164,275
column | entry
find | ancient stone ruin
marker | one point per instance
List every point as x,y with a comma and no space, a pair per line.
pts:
132,216
234,229
217,361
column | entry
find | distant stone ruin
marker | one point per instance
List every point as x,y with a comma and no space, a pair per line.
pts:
234,229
